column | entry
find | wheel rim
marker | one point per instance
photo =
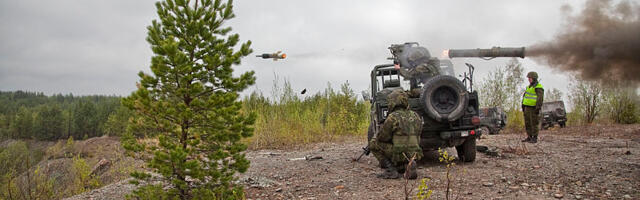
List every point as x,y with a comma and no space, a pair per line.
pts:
485,130
444,100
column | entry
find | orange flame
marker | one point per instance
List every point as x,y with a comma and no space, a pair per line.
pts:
445,53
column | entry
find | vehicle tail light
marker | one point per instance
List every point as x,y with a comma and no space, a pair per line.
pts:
472,132
475,120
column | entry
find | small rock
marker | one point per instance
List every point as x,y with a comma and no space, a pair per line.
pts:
536,166
504,179
279,190
339,187
487,184
579,183
626,196
524,185
558,195
514,188
578,197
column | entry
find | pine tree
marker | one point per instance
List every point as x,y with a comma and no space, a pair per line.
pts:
48,123
191,102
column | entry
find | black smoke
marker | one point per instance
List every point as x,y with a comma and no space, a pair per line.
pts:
601,42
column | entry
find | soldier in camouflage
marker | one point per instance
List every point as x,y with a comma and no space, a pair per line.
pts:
399,138
532,100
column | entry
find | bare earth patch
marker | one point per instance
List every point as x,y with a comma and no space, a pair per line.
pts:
586,162
589,162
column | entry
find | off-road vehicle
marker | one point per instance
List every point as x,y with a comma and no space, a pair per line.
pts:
553,113
448,106
492,120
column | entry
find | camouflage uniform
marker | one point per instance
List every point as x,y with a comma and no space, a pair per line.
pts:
400,133
532,108
422,72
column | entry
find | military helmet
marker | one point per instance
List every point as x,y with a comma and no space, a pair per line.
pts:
532,75
398,99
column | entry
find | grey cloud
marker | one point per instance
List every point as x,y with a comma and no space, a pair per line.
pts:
97,47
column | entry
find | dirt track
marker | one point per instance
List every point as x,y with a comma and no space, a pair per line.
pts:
571,163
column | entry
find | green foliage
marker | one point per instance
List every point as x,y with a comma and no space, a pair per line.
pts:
619,103
82,179
117,122
27,115
423,190
18,179
48,122
515,119
22,124
492,89
503,88
190,103
586,97
287,120
14,158
149,192
448,160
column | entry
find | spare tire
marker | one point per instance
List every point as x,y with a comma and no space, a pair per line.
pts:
559,112
445,98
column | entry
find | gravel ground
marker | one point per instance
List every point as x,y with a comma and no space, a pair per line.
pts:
586,162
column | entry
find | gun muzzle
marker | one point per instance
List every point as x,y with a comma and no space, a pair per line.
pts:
487,53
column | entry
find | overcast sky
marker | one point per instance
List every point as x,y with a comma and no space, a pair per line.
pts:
98,47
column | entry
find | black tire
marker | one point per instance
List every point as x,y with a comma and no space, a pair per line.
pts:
545,127
467,150
485,130
444,98
559,112
563,124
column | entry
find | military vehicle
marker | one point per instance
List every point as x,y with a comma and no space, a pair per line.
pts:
446,67
553,113
448,106
492,120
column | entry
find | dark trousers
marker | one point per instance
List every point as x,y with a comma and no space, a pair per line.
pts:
531,121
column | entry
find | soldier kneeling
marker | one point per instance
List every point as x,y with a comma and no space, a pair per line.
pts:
399,139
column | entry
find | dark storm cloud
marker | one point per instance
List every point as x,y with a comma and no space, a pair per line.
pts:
602,42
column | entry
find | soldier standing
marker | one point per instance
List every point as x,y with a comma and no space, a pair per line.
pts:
531,105
399,138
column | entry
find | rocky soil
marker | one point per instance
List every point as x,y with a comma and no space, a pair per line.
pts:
586,162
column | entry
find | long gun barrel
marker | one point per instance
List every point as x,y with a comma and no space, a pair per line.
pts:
487,53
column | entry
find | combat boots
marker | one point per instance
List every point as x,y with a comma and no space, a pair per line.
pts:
534,139
390,172
527,140
412,170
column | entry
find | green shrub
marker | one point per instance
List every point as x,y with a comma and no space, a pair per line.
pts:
287,120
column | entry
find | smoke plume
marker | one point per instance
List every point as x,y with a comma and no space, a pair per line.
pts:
602,42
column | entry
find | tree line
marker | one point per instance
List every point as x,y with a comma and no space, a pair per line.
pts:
588,101
33,115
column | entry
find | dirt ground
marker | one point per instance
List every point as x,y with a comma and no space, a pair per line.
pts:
591,162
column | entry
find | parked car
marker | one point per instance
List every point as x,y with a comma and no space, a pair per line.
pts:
553,113
492,120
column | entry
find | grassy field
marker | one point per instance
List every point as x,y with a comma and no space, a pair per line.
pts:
285,119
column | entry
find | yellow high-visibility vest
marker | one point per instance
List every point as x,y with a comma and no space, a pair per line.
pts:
530,97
